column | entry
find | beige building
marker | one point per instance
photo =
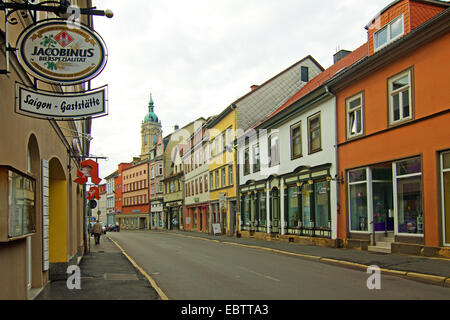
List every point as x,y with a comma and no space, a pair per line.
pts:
41,208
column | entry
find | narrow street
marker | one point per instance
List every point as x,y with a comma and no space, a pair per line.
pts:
199,269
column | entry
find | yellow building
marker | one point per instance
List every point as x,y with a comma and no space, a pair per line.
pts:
222,170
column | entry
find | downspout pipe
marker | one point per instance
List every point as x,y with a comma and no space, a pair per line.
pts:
336,159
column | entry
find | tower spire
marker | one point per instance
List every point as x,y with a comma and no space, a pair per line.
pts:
151,103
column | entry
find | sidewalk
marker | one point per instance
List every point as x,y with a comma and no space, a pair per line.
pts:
106,274
406,264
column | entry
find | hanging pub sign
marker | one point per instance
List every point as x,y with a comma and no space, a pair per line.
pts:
68,106
63,53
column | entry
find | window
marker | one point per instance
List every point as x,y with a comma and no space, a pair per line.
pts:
216,145
256,158
358,200
274,158
229,136
19,213
408,179
188,190
217,179
196,186
152,172
445,176
296,141
304,71
160,169
206,183
389,33
224,142
223,177
230,175
294,198
246,162
355,116
211,180
200,184
315,140
400,106
262,212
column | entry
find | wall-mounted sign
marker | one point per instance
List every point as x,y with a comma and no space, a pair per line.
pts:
58,52
42,104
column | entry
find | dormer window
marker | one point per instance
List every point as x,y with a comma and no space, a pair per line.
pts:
389,33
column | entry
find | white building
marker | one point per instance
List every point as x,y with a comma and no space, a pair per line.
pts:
287,166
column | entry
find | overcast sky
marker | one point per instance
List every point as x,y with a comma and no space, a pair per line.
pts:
198,56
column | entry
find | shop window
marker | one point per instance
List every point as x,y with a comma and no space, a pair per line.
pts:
314,131
400,102
355,116
445,169
246,212
322,204
18,192
294,198
358,200
262,198
408,180
307,214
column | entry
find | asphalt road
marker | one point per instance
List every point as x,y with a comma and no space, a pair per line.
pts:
196,269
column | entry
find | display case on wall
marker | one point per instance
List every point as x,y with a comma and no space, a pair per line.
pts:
17,204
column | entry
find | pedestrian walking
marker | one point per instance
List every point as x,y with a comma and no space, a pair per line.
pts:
97,230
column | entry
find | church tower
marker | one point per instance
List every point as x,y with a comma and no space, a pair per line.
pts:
150,130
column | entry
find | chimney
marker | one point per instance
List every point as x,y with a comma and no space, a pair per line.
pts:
176,127
340,54
254,87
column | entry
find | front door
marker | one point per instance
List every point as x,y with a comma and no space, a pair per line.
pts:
275,210
382,198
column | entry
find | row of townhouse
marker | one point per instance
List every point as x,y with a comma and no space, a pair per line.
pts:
42,212
356,156
359,157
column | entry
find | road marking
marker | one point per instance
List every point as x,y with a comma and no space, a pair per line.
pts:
259,274
161,293
431,279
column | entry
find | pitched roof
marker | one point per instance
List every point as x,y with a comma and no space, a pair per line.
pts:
323,77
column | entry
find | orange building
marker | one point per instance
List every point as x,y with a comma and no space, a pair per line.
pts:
118,182
393,129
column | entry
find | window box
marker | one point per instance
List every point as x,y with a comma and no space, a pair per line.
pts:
17,204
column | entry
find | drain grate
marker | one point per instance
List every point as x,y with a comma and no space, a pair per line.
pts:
120,276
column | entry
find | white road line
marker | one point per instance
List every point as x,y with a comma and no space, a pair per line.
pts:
260,274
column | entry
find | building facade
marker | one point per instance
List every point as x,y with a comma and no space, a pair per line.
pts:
110,199
222,170
196,178
135,200
45,231
289,190
394,195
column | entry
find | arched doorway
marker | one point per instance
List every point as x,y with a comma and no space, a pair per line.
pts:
57,219
34,243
